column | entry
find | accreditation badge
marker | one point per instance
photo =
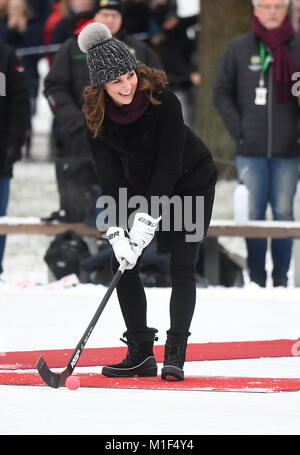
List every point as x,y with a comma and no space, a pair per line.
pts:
261,96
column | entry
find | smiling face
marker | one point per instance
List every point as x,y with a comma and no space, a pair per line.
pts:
271,13
122,89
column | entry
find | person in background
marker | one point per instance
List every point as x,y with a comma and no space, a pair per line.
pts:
70,10
68,15
64,86
137,19
3,9
53,19
14,119
110,13
253,94
178,50
23,28
295,9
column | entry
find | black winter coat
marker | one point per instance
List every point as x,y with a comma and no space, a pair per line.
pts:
14,109
271,130
66,80
157,155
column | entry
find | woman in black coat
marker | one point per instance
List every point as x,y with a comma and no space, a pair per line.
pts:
142,149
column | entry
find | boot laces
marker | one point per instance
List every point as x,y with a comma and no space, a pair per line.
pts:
132,349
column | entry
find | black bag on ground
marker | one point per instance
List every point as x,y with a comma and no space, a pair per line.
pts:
154,270
65,254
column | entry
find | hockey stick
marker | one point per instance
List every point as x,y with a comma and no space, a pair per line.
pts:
56,380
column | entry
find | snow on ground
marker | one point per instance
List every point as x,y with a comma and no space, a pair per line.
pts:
34,317
38,319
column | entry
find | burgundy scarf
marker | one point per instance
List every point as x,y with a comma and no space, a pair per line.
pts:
129,112
283,64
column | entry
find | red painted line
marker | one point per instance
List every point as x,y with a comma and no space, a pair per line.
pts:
56,358
26,360
215,383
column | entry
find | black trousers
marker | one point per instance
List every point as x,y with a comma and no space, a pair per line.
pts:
132,296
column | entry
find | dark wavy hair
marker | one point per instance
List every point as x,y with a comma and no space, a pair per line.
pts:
149,79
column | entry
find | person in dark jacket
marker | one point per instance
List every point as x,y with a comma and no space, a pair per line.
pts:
253,94
14,118
138,19
64,86
65,27
3,9
22,28
143,150
110,13
178,50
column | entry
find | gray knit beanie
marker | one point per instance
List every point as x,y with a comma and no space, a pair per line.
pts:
107,57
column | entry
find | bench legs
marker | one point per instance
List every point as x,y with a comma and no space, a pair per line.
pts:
212,261
296,254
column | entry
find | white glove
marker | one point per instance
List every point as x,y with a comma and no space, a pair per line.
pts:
142,231
121,246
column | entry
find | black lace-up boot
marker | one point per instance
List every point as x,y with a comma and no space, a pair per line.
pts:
175,350
140,360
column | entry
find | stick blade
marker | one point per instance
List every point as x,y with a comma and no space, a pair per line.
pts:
51,379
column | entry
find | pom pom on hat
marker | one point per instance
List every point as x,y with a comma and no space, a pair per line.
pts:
92,35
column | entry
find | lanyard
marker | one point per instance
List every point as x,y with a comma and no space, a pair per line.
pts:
265,62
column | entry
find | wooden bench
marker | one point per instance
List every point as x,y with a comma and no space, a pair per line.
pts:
218,228
36,227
